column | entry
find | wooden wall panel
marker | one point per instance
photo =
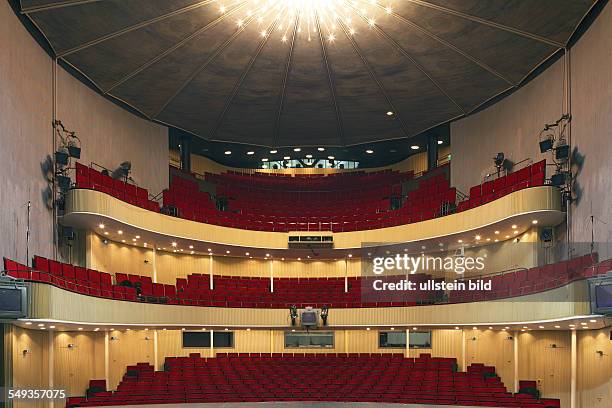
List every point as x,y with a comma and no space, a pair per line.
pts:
114,257
130,347
550,366
75,366
492,348
30,370
594,369
54,303
171,266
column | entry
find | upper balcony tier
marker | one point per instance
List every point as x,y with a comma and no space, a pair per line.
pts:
515,211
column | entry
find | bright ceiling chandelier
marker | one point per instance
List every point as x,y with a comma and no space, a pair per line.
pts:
325,19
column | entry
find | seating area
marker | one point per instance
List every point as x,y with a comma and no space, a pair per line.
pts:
340,202
254,292
529,176
261,377
90,178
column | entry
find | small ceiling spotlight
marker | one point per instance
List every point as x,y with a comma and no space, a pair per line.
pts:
174,244
478,237
101,226
265,159
513,226
331,157
120,232
297,149
137,237
274,151
390,113
286,158
415,147
534,222
250,153
309,156
228,152
440,142
321,149
369,151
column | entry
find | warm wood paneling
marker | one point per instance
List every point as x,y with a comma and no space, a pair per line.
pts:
594,370
128,348
492,347
113,257
75,365
50,302
30,363
545,356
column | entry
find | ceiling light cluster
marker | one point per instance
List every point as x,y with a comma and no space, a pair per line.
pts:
314,19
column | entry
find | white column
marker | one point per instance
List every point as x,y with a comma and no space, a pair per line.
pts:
155,354
107,359
516,360
345,276
50,353
154,264
573,370
210,272
212,343
272,275
407,352
463,352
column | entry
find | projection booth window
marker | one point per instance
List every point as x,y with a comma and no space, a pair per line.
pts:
309,340
397,339
201,339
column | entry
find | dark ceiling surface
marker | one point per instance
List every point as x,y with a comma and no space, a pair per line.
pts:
187,64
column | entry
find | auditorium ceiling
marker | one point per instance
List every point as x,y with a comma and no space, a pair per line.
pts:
284,73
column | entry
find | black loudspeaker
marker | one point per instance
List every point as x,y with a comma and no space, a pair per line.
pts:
74,151
63,182
61,158
610,335
562,152
558,179
67,232
546,145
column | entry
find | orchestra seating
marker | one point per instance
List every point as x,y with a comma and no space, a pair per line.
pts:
234,291
340,203
262,377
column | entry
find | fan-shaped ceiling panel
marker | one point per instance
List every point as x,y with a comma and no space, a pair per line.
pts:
295,72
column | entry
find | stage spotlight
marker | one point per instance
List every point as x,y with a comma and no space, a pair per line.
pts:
123,171
546,145
559,179
293,313
63,182
562,152
61,158
324,314
499,159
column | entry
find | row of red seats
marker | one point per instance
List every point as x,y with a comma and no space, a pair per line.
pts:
317,292
303,183
529,176
537,279
255,377
90,178
362,208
